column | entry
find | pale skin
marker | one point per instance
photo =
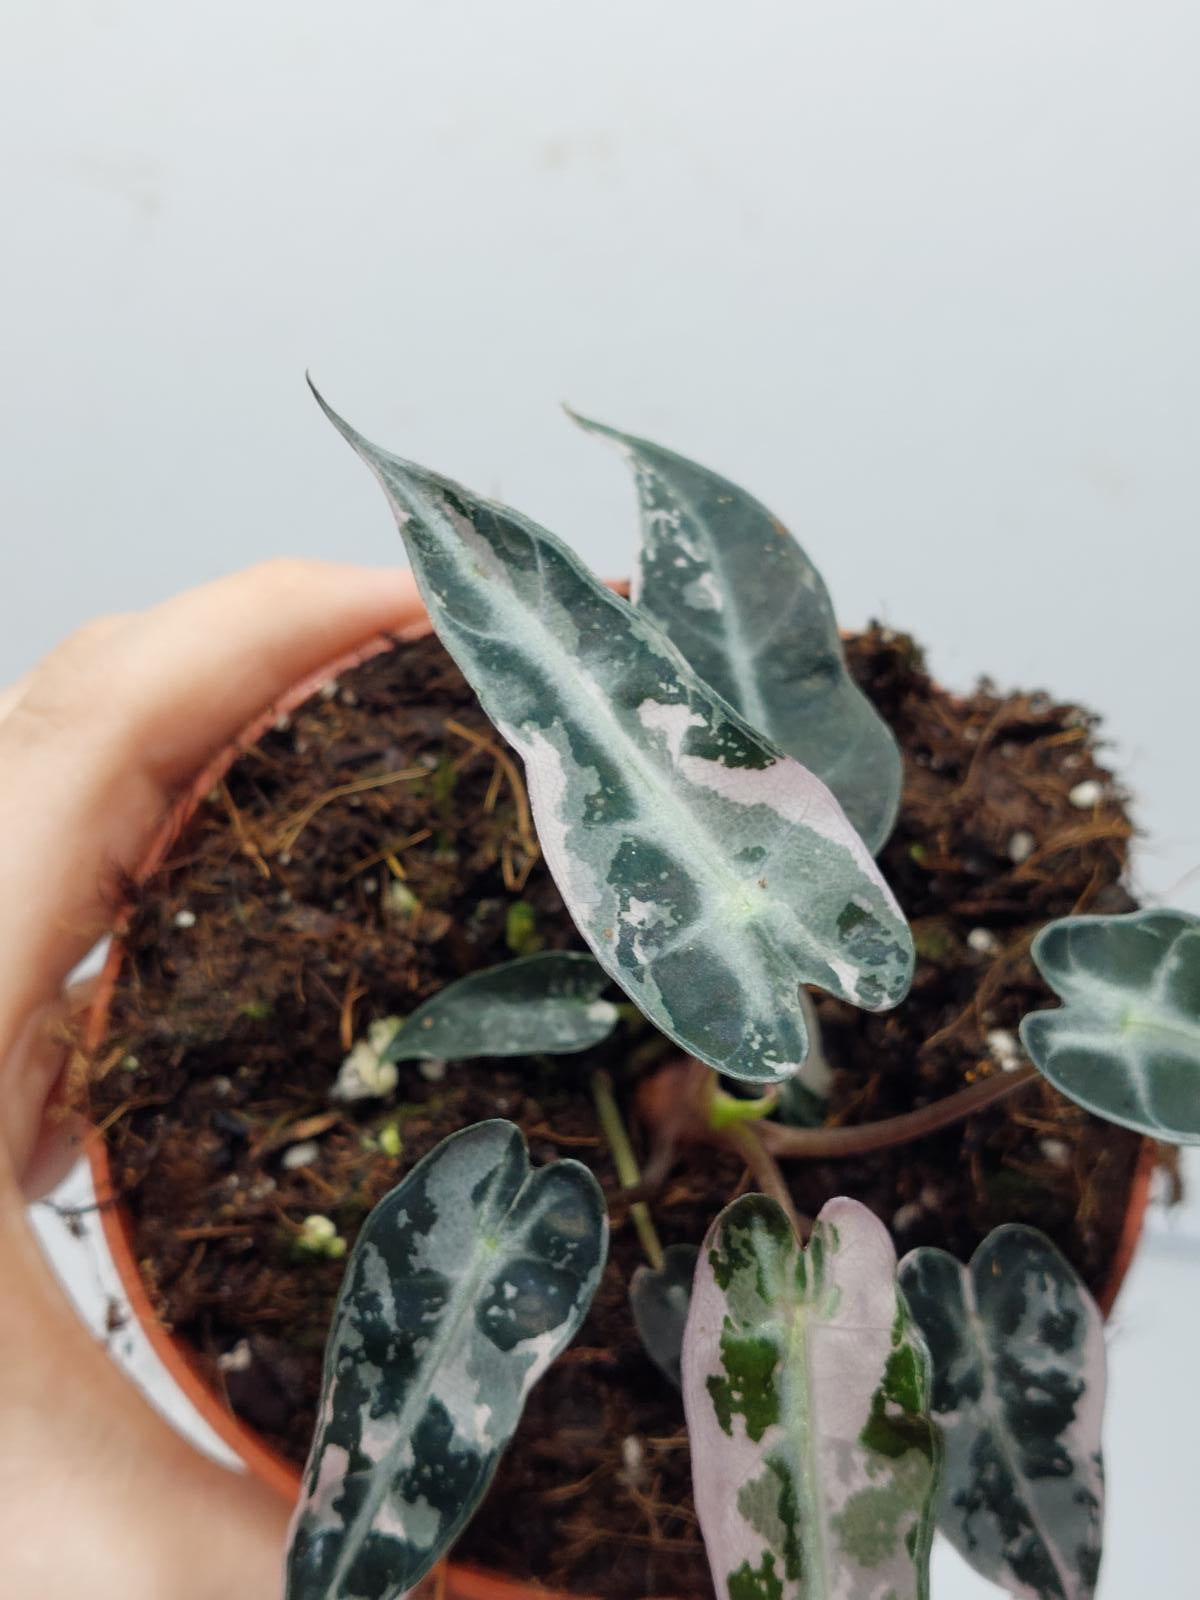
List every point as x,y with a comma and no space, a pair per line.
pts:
99,1497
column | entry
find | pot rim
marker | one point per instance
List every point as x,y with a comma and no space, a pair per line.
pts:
259,1458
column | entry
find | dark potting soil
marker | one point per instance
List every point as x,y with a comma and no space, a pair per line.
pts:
375,846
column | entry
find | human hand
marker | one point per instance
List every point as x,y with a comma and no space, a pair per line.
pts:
98,1495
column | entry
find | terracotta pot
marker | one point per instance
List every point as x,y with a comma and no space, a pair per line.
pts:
452,1582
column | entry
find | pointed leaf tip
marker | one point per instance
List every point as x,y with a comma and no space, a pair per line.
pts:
588,424
351,435
740,598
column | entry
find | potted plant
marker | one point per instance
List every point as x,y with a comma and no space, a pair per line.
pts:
397,1026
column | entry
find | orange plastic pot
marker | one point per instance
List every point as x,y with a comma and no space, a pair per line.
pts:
452,1581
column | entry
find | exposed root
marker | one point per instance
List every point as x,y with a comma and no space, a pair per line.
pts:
285,841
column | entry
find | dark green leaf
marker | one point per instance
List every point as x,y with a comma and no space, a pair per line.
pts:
660,1297
731,587
465,1283
1018,1390
1126,1042
546,1004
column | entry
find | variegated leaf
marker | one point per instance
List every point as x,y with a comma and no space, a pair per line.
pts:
1018,1389
545,1004
1126,1042
806,1386
709,874
465,1283
730,585
659,1298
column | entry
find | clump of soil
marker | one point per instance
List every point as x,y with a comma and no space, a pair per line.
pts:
375,846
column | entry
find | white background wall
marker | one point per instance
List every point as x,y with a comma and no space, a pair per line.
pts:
922,275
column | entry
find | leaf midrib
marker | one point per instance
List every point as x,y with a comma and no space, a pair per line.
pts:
1091,996
1189,1037
610,728
737,651
806,1448
1109,1033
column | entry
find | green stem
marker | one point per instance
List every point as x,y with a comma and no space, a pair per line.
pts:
626,1164
726,1110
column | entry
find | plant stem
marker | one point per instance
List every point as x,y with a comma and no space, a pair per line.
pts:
749,1144
724,1110
626,1164
816,1143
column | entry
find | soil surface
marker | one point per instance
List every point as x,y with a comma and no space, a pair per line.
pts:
375,846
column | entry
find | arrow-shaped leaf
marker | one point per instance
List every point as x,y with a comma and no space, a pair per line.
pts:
806,1387
709,874
731,587
659,1298
545,1004
1018,1389
465,1283
1126,1042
